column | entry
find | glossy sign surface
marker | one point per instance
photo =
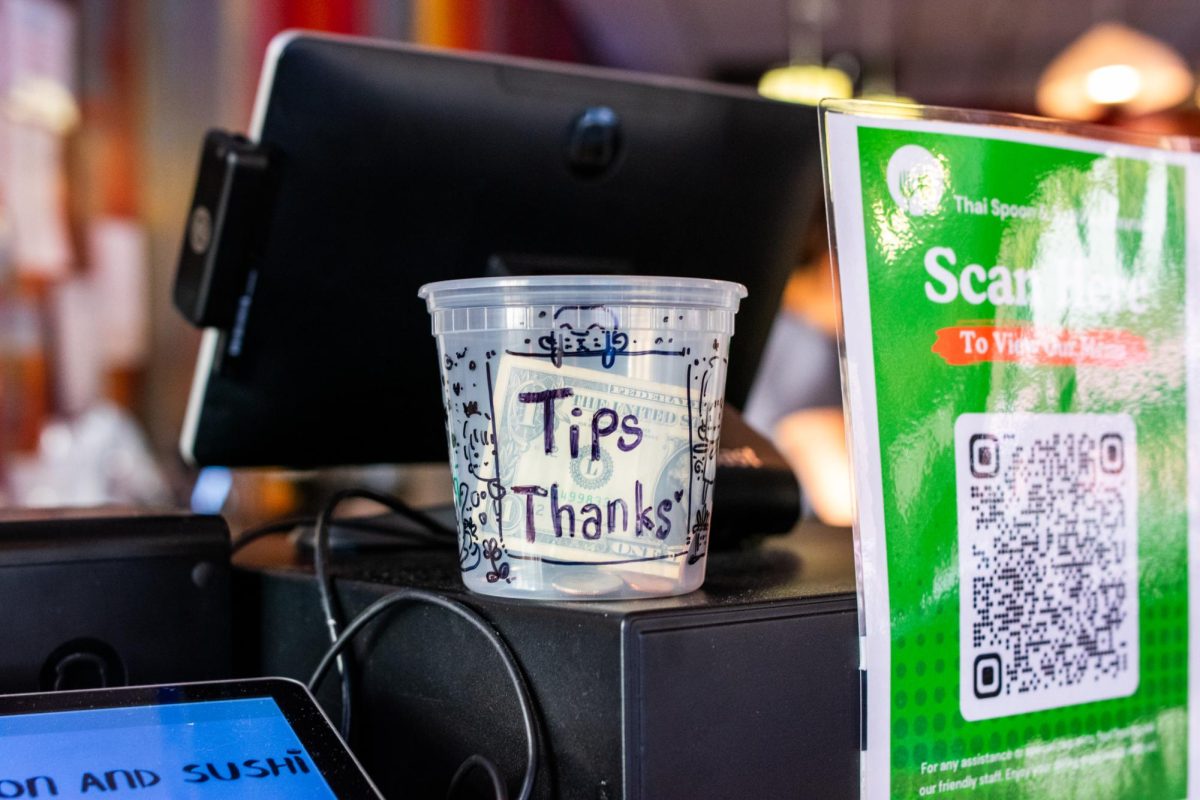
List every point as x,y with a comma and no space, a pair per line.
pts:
1016,345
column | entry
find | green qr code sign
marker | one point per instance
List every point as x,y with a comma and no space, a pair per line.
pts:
1021,314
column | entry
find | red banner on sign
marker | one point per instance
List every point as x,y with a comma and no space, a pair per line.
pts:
973,344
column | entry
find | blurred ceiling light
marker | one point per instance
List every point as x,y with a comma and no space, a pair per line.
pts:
1113,65
803,79
805,83
42,102
888,97
1114,84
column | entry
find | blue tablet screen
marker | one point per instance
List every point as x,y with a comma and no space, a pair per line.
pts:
213,749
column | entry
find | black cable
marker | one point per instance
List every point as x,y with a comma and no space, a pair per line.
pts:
444,536
263,531
329,603
403,509
431,532
488,766
516,676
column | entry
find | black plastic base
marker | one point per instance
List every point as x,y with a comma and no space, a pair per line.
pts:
96,598
746,689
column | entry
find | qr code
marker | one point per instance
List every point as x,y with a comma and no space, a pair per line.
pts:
1047,560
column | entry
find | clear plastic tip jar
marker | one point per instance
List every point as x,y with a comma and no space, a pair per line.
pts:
583,415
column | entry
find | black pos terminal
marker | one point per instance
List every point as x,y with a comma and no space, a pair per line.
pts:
370,169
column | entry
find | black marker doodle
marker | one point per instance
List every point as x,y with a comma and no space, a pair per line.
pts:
500,570
469,552
587,332
707,431
474,451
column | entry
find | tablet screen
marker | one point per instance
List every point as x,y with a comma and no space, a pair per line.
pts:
214,749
